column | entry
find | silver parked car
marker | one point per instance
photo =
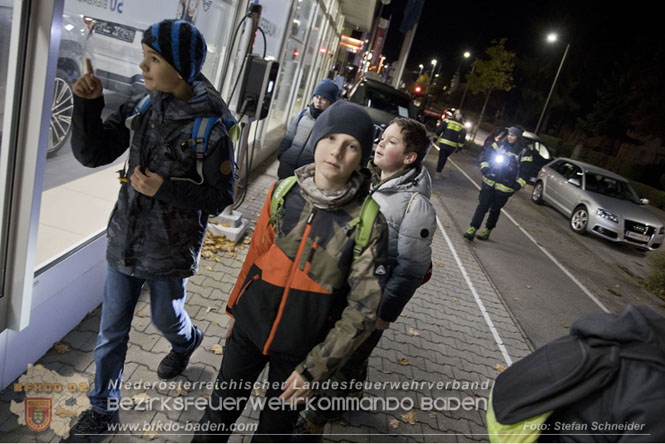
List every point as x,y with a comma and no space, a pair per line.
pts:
599,202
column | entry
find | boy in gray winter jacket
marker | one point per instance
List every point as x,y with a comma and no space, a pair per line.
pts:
402,187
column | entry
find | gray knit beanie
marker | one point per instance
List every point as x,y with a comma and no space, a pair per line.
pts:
346,118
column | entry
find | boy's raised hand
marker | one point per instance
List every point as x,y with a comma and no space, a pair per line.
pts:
88,86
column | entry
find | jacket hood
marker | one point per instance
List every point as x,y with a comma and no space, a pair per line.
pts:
637,324
206,102
415,179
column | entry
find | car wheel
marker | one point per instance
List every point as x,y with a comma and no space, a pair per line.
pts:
62,110
537,193
579,219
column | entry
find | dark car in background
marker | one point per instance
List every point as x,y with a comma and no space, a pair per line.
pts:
540,153
382,102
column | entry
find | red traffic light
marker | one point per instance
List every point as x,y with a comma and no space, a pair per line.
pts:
418,90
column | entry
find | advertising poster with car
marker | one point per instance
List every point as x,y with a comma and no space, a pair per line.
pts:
117,26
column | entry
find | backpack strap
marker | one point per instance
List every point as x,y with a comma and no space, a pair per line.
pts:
365,222
199,143
277,200
132,124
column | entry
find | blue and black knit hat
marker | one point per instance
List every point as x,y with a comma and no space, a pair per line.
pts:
181,45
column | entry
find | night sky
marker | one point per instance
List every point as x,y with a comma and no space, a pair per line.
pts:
601,34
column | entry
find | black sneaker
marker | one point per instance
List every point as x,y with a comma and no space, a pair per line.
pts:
175,363
92,426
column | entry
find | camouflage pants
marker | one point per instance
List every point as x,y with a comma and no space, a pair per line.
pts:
354,369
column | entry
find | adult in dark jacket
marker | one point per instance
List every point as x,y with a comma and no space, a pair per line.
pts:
293,150
605,382
505,169
157,227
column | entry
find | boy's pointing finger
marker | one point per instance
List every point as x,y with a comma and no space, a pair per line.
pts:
88,66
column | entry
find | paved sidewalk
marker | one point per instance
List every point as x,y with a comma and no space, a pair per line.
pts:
441,351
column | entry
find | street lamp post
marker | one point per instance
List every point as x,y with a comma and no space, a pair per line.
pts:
466,87
431,76
552,38
421,70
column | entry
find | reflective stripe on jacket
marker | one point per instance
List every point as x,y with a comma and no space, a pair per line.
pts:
511,174
451,133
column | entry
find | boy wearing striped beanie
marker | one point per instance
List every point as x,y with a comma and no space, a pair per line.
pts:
166,195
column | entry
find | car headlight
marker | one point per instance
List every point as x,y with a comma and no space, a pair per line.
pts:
607,215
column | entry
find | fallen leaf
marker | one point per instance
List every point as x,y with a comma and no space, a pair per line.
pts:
393,423
139,324
412,332
500,367
432,414
217,259
527,286
410,417
61,347
180,390
403,361
209,268
140,398
564,324
64,413
516,299
140,314
217,349
455,299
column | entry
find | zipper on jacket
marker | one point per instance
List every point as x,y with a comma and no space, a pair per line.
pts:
310,257
287,288
244,288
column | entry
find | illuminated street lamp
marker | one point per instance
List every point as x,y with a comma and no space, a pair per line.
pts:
421,70
467,54
433,62
552,38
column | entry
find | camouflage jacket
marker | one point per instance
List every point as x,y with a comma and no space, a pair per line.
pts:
300,292
159,237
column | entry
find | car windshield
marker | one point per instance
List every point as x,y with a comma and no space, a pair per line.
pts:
395,104
611,187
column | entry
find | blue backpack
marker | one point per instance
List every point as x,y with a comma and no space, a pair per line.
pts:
198,142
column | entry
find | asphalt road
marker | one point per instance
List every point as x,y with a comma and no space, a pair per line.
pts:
522,253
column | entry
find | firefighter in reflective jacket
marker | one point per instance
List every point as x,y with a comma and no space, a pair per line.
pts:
505,169
451,135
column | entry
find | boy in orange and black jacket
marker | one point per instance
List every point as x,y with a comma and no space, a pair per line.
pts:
304,301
